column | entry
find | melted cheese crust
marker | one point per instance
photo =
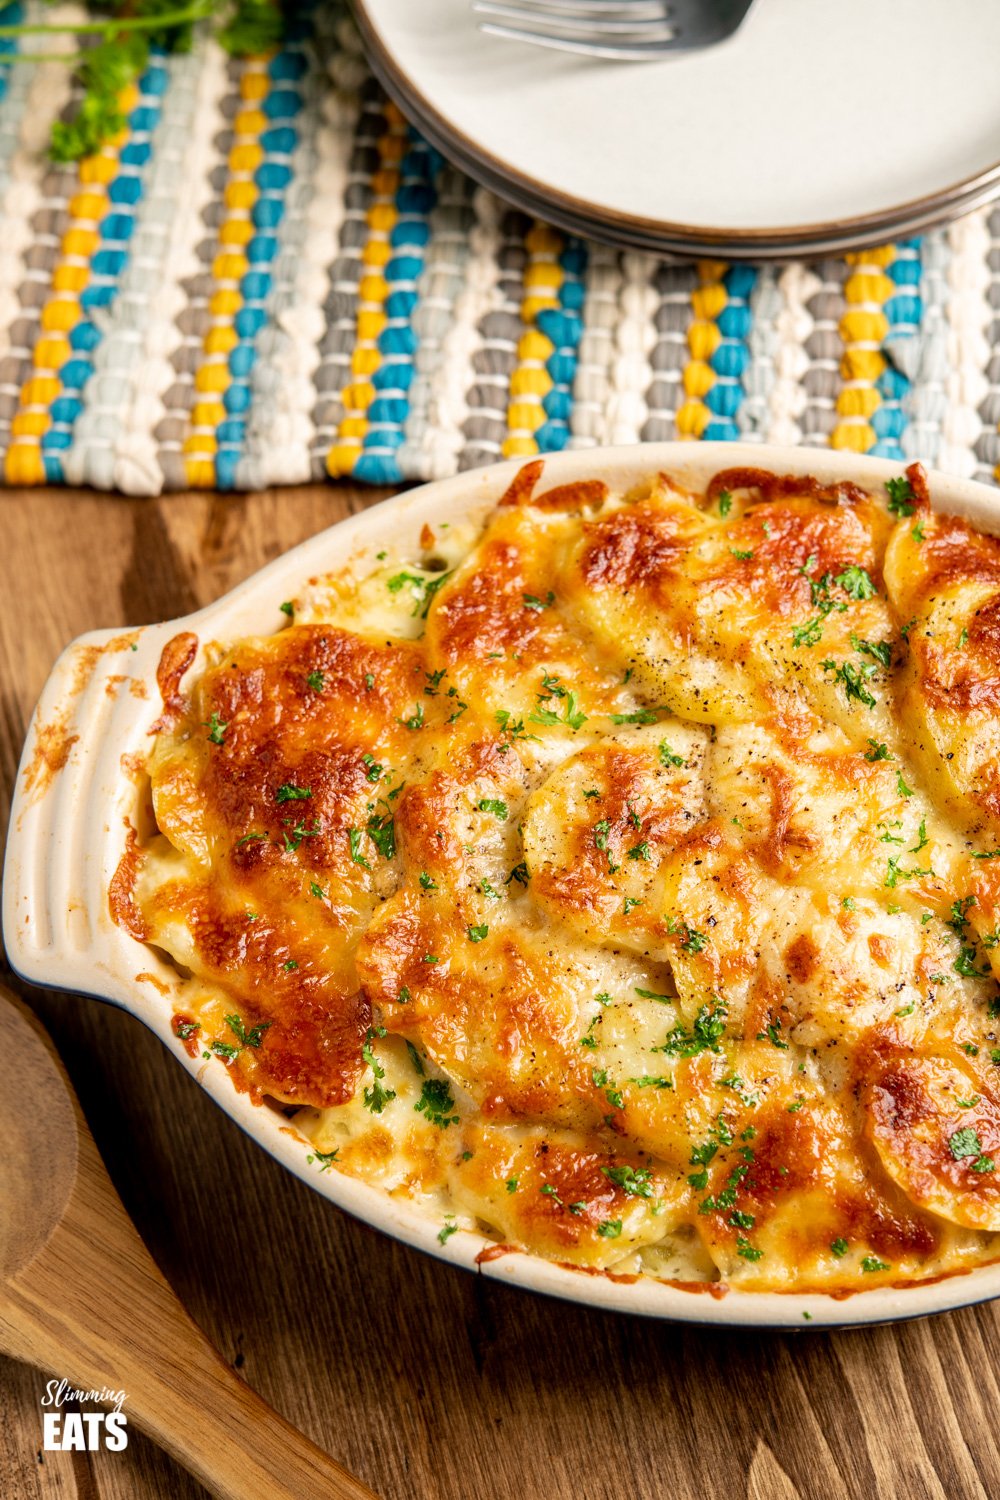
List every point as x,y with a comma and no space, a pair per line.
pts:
623,888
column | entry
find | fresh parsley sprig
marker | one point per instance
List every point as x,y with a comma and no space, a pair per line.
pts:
125,31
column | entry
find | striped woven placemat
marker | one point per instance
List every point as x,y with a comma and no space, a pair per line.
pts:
270,278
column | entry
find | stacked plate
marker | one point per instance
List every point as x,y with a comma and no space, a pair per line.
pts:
816,128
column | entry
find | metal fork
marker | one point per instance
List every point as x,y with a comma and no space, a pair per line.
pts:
629,30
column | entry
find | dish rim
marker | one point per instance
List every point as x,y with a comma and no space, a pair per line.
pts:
64,844
661,236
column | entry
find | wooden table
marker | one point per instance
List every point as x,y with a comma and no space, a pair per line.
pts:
428,1382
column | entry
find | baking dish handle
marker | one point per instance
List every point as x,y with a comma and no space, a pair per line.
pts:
71,800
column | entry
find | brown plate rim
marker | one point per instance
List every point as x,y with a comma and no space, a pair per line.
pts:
661,236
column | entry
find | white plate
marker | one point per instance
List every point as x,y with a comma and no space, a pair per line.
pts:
65,842
819,125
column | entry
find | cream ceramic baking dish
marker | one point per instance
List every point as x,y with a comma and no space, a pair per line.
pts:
76,790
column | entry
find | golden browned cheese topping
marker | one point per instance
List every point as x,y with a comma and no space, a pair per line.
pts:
617,877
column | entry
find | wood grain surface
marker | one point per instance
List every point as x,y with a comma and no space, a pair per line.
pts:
429,1383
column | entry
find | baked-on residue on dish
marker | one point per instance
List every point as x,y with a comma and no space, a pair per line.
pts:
617,878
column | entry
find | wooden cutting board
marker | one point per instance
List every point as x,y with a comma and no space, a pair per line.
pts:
427,1382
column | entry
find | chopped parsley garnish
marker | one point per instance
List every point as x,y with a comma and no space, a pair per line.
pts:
416,719
250,838
725,502
880,651
639,851
185,1030
414,1055
326,1159
771,1035
819,589
740,555
476,934
610,1229
423,589
612,1093
427,883
856,583
377,1097
853,680
292,793
381,829
354,837
839,1247
895,874
445,1233
739,1088
434,680
317,891
216,729
877,751
373,770
901,787
965,964
299,832
531,601
247,1038
652,1081
572,716
872,1263
809,633
638,716
436,1103
601,831
746,1250
630,903
965,1143
900,496
316,680
669,757
519,874
918,532
635,1182
693,941
512,1184
513,728
652,995
702,1156
287,608
493,805
704,1036
224,1050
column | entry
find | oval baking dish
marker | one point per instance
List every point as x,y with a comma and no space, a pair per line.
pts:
77,790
